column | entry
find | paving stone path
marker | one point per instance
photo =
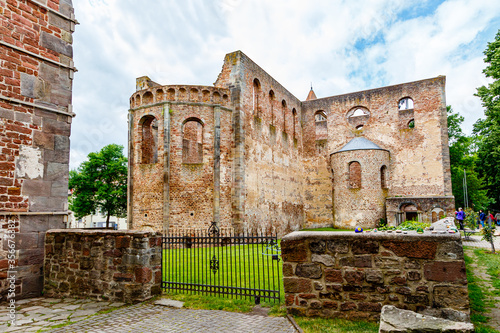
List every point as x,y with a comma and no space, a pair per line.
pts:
42,314
156,318
475,241
35,314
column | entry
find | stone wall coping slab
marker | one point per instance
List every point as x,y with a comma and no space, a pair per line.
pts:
351,235
104,232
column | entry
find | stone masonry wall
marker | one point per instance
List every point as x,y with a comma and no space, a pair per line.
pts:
114,265
348,275
271,147
190,186
36,76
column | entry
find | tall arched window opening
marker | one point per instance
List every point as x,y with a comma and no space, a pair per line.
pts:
148,127
255,100
283,108
354,175
321,126
294,116
271,102
383,176
192,141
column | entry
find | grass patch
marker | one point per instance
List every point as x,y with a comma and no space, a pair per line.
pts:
244,266
492,263
324,325
207,302
477,296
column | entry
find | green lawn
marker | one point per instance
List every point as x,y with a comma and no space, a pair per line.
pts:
477,295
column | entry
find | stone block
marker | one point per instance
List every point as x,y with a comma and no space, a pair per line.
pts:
413,276
412,249
287,269
297,285
318,246
354,277
57,171
417,299
369,307
387,262
59,188
454,297
452,250
324,259
143,275
333,275
309,270
61,142
56,127
365,247
348,306
363,261
55,44
32,223
338,246
294,251
445,271
393,319
374,276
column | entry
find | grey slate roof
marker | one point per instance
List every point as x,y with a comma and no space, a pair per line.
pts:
359,143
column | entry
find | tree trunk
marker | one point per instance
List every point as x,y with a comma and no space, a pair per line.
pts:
107,220
492,244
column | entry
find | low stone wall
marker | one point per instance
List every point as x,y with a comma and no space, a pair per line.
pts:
102,264
348,275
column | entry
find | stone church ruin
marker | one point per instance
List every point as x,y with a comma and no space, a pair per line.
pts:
246,153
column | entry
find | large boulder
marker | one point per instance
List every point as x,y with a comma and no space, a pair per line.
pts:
393,319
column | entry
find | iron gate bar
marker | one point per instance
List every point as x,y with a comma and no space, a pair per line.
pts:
187,259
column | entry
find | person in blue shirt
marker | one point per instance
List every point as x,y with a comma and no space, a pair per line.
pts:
460,216
482,218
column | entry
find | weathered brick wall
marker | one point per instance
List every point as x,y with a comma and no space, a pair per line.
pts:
113,265
348,275
36,73
191,185
271,142
363,206
419,163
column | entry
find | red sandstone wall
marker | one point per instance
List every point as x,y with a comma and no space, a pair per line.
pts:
36,72
273,172
191,185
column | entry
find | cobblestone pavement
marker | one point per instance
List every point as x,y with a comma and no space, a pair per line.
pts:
156,318
35,314
45,314
476,241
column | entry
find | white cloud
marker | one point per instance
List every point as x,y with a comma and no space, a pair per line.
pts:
341,46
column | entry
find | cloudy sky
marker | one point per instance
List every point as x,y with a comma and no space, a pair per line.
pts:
339,46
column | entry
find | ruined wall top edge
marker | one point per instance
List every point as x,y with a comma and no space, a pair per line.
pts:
180,93
402,89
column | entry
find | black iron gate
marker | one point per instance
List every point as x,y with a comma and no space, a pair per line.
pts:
218,262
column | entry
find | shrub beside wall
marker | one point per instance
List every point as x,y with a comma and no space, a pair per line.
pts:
123,266
348,275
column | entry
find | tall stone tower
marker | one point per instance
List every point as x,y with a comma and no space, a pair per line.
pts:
36,70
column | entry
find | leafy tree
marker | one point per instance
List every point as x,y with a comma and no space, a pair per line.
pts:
100,184
463,157
488,129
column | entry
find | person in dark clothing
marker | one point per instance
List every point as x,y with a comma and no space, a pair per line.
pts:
482,217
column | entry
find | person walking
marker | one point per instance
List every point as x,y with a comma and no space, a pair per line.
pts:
491,220
482,218
460,216
497,217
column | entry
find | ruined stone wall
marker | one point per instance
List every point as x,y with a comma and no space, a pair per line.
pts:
122,266
364,205
36,72
419,156
189,187
271,146
428,209
348,275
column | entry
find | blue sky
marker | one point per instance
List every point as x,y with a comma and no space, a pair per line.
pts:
339,46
